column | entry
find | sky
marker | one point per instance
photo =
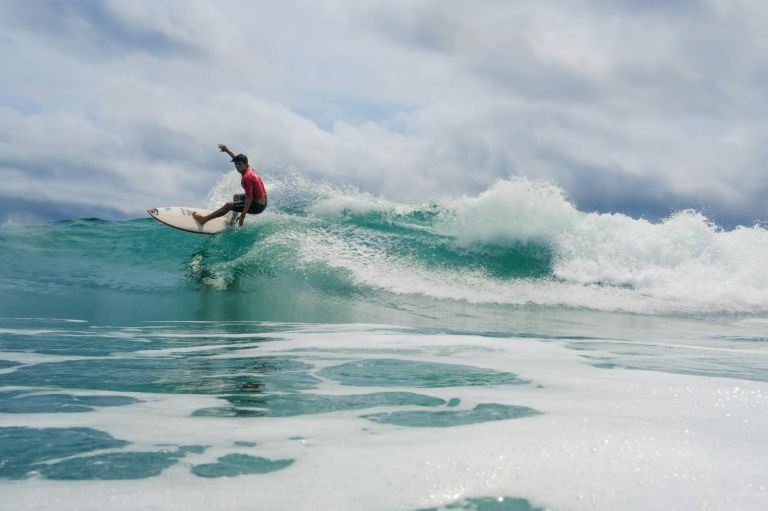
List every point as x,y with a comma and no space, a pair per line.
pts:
641,107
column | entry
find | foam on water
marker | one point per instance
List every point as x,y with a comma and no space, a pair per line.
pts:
516,210
554,406
604,261
589,438
519,243
685,259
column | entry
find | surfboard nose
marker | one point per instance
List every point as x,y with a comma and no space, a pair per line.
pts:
152,212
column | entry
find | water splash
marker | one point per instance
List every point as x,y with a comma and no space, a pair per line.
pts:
519,243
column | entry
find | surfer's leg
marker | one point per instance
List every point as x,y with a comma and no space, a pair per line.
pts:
226,208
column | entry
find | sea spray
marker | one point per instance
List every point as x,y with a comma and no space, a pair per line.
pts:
519,243
514,210
685,260
459,350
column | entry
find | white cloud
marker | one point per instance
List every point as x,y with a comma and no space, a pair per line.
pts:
653,105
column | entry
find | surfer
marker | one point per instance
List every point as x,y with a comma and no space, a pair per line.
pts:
253,201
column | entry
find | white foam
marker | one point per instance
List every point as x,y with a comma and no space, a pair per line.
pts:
685,260
601,261
370,266
222,192
517,209
607,439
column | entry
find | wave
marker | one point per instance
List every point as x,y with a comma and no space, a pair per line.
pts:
519,243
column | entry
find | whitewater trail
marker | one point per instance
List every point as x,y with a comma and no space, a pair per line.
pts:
519,242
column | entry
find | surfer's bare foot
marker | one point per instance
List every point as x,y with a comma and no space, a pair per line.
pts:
200,218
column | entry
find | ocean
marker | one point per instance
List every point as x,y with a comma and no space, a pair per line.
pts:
503,351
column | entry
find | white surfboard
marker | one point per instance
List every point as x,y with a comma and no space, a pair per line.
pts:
181,218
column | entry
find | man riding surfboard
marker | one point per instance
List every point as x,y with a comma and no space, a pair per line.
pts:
253,201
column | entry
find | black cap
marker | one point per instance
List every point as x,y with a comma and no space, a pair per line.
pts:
240,158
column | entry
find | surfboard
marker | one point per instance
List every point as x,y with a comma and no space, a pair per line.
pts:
181,218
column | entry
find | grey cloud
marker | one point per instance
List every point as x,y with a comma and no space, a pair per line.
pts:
651,7
425,25
640,107
603,190
57,158
681,55
93,27
519,73
32,210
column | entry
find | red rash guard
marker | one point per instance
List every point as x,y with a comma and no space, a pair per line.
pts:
253,185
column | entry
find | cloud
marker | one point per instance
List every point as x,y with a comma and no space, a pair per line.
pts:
109,28
640,107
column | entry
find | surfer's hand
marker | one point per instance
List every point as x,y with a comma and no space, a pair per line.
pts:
223,148
240,219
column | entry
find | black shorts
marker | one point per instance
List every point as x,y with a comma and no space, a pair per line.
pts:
255,208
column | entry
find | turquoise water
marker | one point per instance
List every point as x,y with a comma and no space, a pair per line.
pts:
504,351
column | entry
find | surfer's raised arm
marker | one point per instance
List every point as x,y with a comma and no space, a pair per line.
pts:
253,201
225,149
